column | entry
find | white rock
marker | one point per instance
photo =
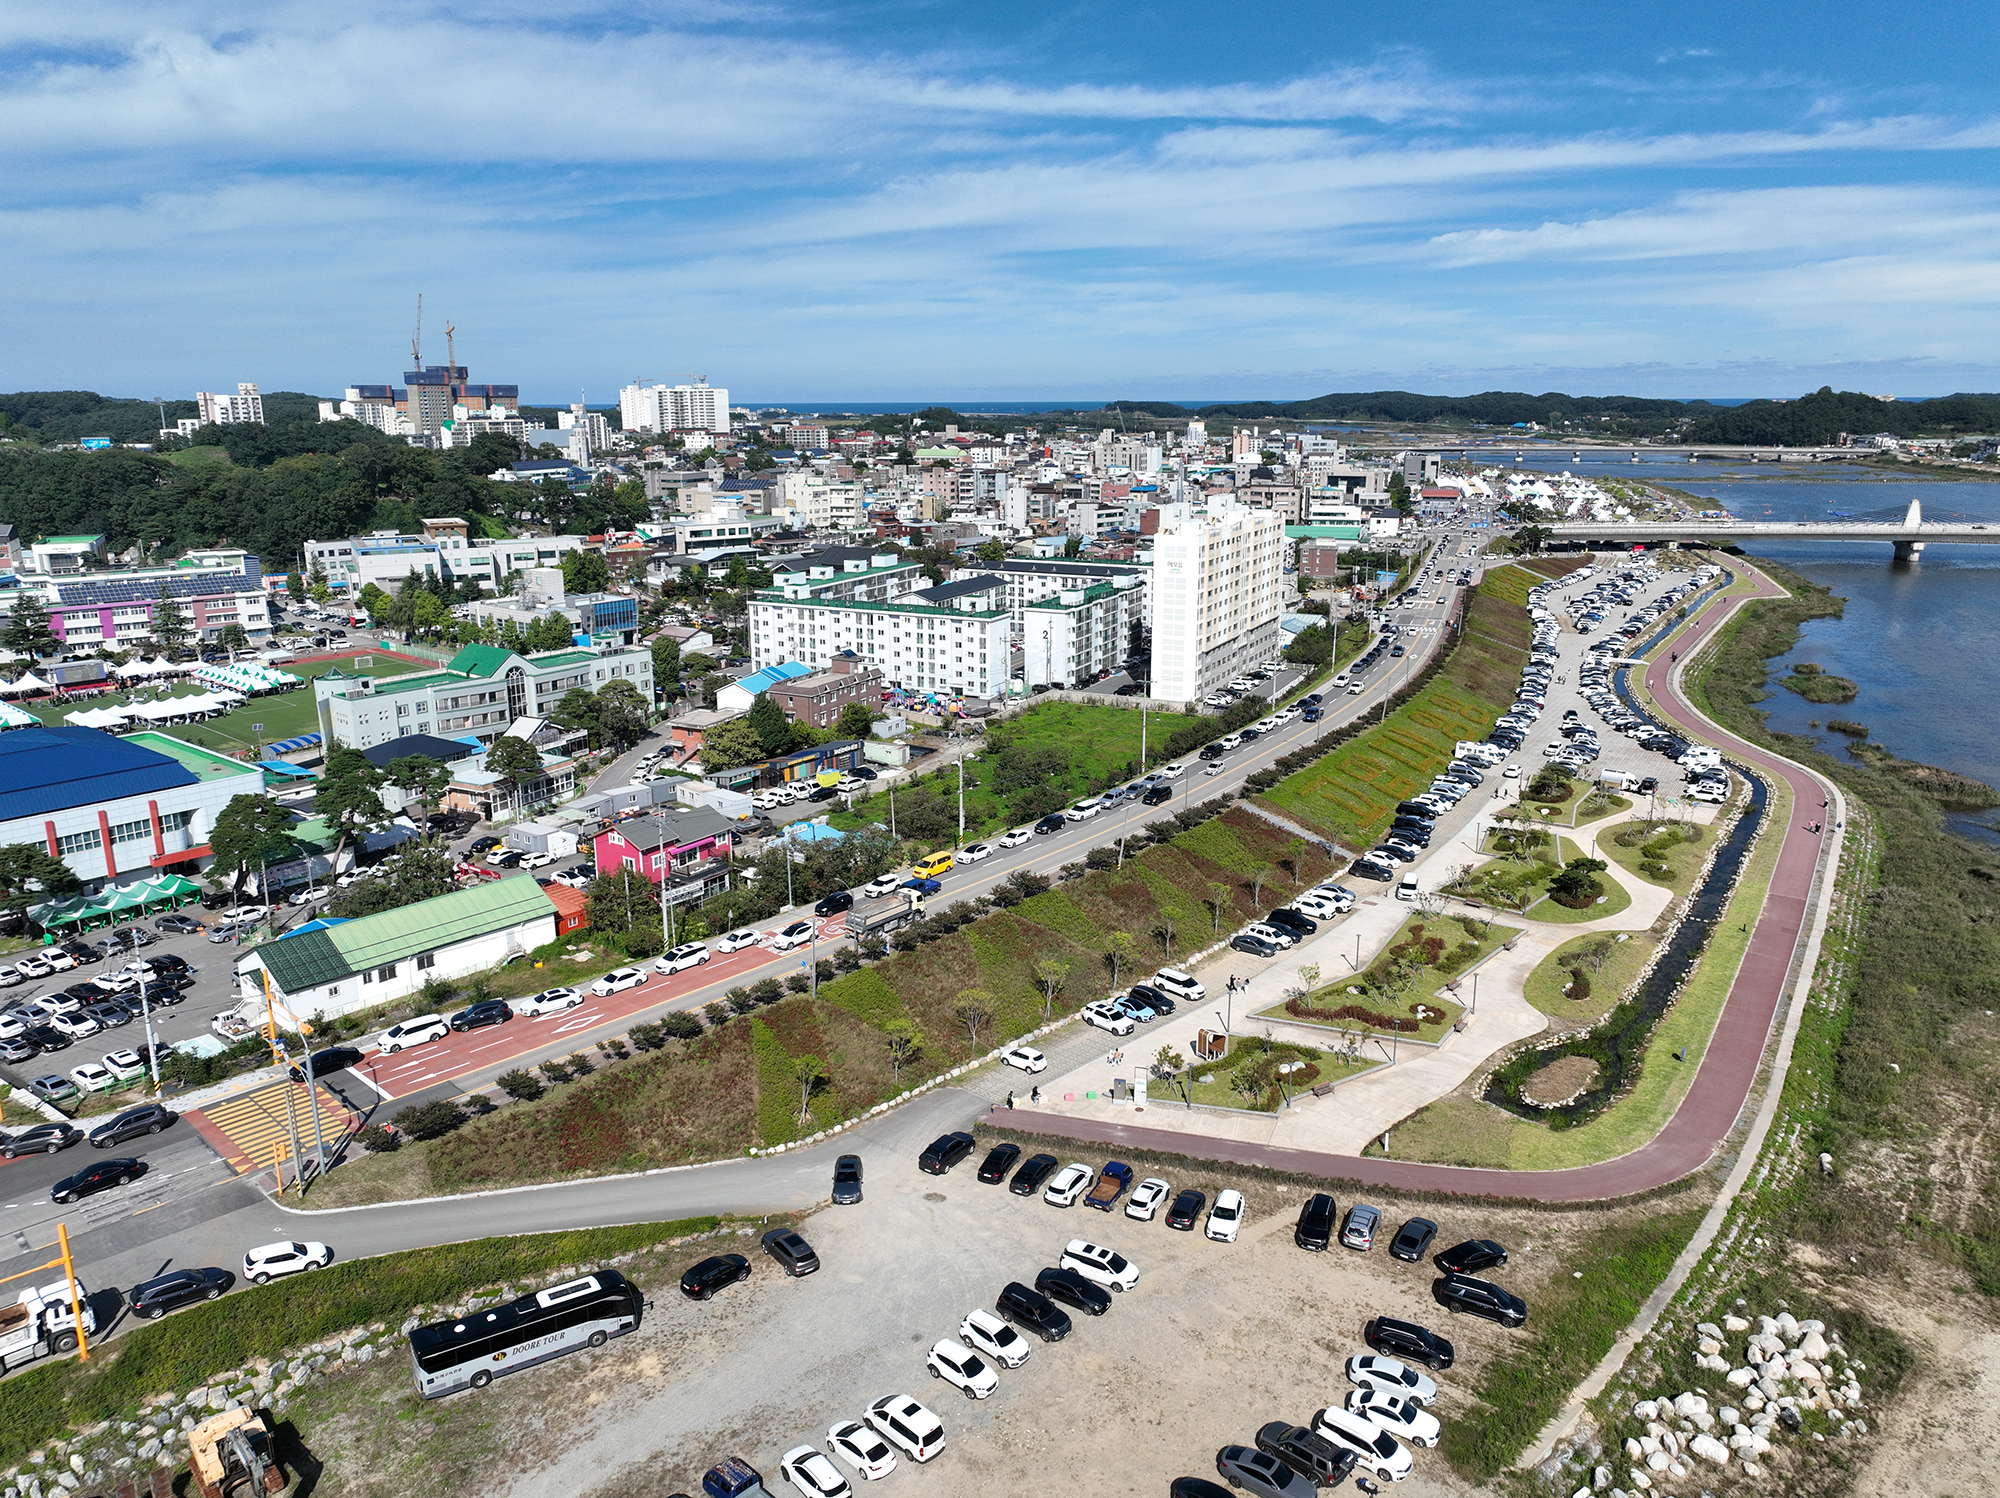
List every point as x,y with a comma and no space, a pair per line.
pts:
1658,1461
1728,1416
1753,1400
1689,1403
1735,1324
1655,1429
1788,1326
1766,1325
1813,1345
1647,1446
1582,1492
1645,1409
1812,1325
1709,1329
1633,1450
1708,1346
1716,1363
1709,1449
1741,1378
1677,1469
1751,1469
1600,1478
1641,1479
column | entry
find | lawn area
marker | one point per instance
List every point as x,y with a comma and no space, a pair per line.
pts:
1402,981
1610,961
1252,1066
284,716
1661,853
1512,883
1351,792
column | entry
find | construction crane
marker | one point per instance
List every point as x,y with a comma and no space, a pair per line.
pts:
450,355
417,337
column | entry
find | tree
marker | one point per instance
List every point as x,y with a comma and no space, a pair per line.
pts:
1050,973
621,714
232,637
773,728
295,587
667,664
1170,1061
1257,877
904,1040
516,761
856,720
550,632
1165,932
1577,884
808,1072
349,795
424,871
730,744
992,551
250,832
420,778
428,613
975,1008
28,628
577,709
29,876
1219,898
586,571
170,620
375,603
1532,538
1118,950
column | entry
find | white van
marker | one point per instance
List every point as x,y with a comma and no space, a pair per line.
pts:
423,1028
1180,985
1406,888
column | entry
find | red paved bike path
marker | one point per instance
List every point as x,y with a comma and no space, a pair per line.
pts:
1727,1069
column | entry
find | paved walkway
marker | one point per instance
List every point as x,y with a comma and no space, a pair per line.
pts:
1729,1064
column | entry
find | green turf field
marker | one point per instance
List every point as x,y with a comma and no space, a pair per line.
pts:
284,716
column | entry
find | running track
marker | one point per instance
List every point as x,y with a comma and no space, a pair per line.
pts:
1728,1067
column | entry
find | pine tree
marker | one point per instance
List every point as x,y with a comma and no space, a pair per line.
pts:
772,727
170,620
28,627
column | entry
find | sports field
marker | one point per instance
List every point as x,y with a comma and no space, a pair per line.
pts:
285,715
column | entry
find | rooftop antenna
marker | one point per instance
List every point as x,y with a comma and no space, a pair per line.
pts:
417,338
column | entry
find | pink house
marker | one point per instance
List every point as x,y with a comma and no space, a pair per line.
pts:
692,840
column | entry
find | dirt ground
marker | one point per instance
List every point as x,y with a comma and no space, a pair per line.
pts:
1215,1340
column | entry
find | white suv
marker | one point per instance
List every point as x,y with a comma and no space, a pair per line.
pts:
909,1425
262,1265
418,1031
1099,1264
1105,1016
694,954
1225,1218
1183,986
1068,1186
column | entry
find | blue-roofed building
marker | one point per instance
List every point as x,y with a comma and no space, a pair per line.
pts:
116,810
738,696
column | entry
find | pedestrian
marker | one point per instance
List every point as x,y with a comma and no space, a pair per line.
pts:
1010,1100
1035,1094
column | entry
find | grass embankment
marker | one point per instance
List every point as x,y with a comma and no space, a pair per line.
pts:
1610,960
1565,1337
182,1351
1352,792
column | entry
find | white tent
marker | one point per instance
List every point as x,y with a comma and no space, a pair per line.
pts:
29,682
14,717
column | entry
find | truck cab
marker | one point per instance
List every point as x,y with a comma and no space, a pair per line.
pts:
1112,1183
40,1322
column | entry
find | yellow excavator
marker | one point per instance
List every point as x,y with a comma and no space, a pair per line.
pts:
231,1456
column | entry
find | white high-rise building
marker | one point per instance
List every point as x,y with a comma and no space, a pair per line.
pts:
1217,593
246,405
670,408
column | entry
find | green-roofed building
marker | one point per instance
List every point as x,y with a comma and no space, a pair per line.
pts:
475,696
360,963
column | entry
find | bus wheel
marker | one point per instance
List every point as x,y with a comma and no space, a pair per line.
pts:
598,1339
481,1379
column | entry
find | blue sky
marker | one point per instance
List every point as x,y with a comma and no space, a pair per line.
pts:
914,200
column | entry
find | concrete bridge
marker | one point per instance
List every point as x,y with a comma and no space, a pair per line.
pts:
1908,537
1499,447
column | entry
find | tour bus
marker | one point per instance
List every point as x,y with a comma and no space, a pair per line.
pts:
471,1351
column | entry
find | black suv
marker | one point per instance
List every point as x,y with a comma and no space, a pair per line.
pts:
1315,1229
1411,1239
95,1178
1312,1456
1158,795
1055,822
485,1012
1287,919
153,1298
794,1255
710,1275
147,1118
945,1152
1153,998
1072,1289
999,1160
1186,1210
1032,1311
1407,1341
1471,1256
334,1058
1031,1176
1461,1292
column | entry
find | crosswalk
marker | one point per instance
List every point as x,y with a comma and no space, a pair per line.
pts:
258,1125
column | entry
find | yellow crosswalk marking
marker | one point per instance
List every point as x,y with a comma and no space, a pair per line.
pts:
258,1125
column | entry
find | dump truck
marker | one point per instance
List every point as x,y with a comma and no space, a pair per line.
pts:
230,1456
41,1323
1112,1182
883,919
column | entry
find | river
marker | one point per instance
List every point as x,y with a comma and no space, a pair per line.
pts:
1921,641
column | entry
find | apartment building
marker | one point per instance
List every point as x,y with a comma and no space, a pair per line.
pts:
246,405
443,549
425,404
1073,636
482,690
695,408
1217,594
820,502
1030,579
218,587
953,638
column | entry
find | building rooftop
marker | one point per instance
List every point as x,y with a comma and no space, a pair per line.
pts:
307,961
965,588
676,829
770,676
444,751
51,769
205,764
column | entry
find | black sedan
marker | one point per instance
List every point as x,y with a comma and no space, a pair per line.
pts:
847,1180
95,1178
1471,1256
334,1058
1412,1239
153,1298
45,1038
485,1012
835,903
147,1118
713,1274
1483,1298
1186,1210
999,1160
177,924
1029,1178
1293,920
482,844
42,1139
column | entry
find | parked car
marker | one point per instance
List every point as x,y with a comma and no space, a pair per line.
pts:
813,1473
485,1012
907,1424
1033,1311
151,1299
944,1152
1358,1232
1403,1418
50,1088
147,1118
713,1274
847,1180
988,1335
862,1449
1255,945
262,1265
421,1029
1100,1265
1306,1452
791,1251
1471,1256
1186,1210
1412,1239
1107,1016
962,1368
177,924
1146,1198
325,1062
1067,1189
1315,1226
1482,1298
1261,1473
548,1001
1225,1218
687,955
617,981
999,1160
1368,1443
1025,1058
1401,1343
1032,1174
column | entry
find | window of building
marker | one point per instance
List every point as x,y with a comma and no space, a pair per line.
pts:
78,842
131,832
426,962
386,974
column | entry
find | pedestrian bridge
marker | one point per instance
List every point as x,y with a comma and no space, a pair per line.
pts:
1907,537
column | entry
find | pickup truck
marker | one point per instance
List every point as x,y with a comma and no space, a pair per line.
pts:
1111,1185
734,1478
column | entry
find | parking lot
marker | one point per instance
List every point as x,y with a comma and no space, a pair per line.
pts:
1215,1340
